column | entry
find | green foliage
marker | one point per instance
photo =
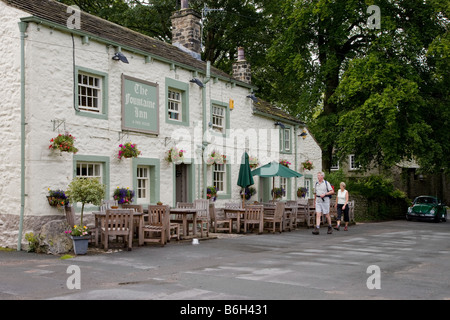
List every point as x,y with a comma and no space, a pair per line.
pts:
86,190
33,242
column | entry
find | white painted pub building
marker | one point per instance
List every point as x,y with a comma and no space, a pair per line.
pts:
65,71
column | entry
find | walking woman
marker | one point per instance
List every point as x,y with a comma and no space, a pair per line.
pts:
342,205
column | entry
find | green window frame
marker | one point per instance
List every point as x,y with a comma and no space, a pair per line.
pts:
154,167
226,194
103,87
105,167
286,144
226,118
182,88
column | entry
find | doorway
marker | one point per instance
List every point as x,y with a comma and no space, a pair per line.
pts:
182,183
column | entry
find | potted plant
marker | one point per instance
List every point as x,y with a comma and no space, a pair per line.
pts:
57,198
249,192
174,155
128,150
64,143
301,192
285,163
84,190
211,193
123,195
277,193
307,165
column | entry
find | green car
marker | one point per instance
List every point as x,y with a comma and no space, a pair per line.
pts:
427,208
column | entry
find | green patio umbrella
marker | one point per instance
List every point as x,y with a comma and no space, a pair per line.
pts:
274,169
245,178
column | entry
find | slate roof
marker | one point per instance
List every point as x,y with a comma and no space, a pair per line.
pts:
56,12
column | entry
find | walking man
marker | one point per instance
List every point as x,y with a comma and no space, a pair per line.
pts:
322,195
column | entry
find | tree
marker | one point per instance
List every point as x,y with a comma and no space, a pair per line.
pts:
363,91
86,191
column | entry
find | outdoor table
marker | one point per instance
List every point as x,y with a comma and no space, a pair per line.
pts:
138,216
185,212
235,214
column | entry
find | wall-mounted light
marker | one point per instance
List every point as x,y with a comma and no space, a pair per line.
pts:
197,82
119,56
303,134
280,124
252,96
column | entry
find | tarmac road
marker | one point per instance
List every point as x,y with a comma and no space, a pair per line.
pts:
388,260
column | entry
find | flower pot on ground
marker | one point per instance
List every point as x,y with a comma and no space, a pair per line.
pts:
80,244
86,191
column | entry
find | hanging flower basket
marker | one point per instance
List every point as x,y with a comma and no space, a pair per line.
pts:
211,193
216,158
285,163
57,198
64,143
175,155
123,195
254,162
301,192
307,165
249,192
278,193
128,150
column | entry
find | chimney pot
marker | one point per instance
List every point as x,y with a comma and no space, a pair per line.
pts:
241,54
184,4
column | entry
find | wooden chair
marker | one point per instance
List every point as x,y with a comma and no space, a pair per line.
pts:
156,225
70,215
303,216
294,212
253,215
117,223
203,218
136,207
219,224
107,204
178,218
271,221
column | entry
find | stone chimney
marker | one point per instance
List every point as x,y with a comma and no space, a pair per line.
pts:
241,68
186,28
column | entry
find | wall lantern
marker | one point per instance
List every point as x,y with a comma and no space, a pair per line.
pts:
119,56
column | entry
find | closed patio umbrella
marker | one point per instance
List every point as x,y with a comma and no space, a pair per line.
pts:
245,178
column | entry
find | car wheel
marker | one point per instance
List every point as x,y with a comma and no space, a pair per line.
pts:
408,218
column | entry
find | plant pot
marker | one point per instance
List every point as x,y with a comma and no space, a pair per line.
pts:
80,244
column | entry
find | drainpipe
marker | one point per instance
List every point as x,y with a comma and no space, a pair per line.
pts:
23,28
204,142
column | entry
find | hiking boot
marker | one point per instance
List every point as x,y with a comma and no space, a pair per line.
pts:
315,231
345,229
330,230
338,228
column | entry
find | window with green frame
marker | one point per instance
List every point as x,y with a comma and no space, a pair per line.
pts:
92,167
146,180
221,179
286,140
91,93
177,102
220,117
